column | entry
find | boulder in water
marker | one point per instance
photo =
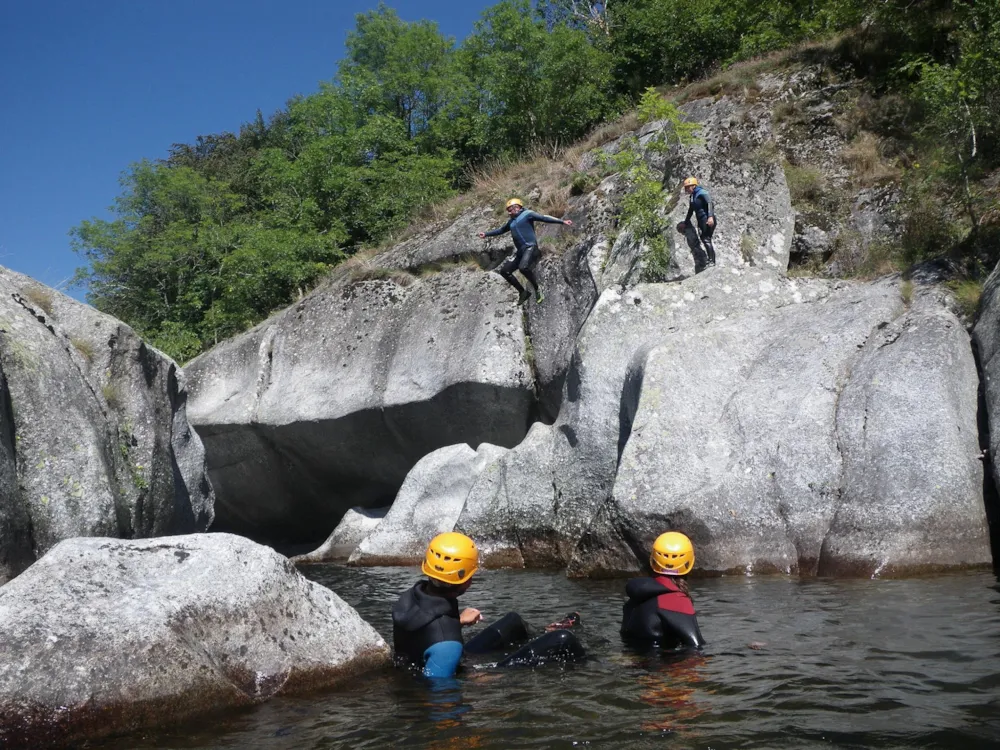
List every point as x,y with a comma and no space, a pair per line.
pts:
103,636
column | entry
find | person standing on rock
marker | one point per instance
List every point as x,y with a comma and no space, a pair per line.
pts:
659,611
701,206
521,226
427,625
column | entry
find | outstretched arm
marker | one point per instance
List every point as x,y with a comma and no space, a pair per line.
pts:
545,218
496,232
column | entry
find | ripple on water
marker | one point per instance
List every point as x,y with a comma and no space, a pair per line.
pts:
857,664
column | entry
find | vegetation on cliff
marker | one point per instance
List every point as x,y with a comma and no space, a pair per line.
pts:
211,239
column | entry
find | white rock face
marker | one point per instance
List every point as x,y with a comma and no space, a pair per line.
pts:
103,636
356,524
428,504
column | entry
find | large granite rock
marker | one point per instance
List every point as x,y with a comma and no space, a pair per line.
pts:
734,438
428,504
564,473
330,403
97,426
912,493
103,636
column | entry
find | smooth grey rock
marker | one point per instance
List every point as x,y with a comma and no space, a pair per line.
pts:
428,504
511,510
733,438
102,442
103,636
535,504
330,403
356,524
912,496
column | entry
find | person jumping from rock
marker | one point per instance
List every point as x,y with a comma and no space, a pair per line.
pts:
701,205
521,226
659,611
427,625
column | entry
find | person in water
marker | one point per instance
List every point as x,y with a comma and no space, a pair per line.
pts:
427,625
521,226
659,610
701,206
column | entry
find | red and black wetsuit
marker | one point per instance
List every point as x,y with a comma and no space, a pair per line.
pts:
658,611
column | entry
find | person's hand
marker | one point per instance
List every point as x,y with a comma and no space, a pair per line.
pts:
470,616
710,222
567,222
482,235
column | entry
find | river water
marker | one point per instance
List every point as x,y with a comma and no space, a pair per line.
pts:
857,664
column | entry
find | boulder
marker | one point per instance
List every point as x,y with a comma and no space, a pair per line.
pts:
428,504
734,437
911,498
104,636
330,403
356,524
535,504
98,419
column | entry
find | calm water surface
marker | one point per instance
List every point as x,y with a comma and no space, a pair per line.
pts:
859,664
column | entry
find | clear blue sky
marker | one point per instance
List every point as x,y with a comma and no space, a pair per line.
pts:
89,86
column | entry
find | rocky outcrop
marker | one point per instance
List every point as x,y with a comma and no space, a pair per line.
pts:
94,428
356,524
329,404
912,492
764,439
428,504
104,636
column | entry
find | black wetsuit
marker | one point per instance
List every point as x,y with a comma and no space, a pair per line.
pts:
427,633
526,254
701,205
659,612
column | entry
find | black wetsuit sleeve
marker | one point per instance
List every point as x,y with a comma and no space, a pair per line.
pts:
501,230
687,219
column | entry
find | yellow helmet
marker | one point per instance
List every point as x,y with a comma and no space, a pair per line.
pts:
691,182
672,555
514,202
451,558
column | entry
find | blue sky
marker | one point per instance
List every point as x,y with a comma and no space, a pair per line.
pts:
88,87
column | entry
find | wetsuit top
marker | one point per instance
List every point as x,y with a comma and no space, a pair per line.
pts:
522,228
657,611
426,630
701,205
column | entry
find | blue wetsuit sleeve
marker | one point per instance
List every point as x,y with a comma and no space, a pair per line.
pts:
441,659
501,230
544,218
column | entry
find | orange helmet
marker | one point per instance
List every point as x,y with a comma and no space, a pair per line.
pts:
691,182
672,555
514,202
451,558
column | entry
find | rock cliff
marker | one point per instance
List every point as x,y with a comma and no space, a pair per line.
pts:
94,437
802,425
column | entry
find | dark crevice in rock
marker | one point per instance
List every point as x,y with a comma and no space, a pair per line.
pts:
991,495
294,482
631,391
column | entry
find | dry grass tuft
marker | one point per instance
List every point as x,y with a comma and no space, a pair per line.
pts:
967,293
865,159
40,297
83,346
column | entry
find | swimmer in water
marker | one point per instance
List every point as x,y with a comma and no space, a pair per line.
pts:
659,610
427,625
